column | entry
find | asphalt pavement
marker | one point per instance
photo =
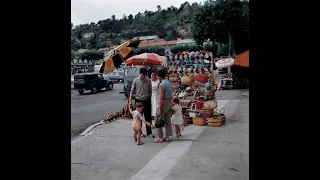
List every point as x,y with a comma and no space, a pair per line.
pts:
88,109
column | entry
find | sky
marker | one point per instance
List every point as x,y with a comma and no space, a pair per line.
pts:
87,11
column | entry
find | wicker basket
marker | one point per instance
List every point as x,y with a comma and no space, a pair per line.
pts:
186,103
217,124
199,121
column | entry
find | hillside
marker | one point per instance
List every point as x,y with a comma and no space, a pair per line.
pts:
170,24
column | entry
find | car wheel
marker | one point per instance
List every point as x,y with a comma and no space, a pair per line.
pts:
81,91
110,86
93,90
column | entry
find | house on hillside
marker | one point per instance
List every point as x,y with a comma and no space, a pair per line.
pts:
149,38
185,41
88,35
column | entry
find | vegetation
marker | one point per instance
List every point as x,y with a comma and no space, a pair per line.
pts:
155,49
222,22
92,55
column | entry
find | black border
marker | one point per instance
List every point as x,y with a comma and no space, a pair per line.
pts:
282,102
36,98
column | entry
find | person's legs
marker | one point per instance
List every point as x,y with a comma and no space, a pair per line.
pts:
179,130
138,138
135,135
176,129
147,114
167,117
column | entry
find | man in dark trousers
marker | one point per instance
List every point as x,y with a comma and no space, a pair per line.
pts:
142,88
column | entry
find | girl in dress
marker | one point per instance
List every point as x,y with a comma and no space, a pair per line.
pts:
155,94
177,118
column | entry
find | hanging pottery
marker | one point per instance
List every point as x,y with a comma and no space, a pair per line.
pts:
173,78
187,80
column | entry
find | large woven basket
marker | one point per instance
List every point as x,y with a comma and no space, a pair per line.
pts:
186,103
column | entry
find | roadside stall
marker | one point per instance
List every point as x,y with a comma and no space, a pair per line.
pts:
240,70
227,81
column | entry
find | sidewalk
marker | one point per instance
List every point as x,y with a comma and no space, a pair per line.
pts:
109,153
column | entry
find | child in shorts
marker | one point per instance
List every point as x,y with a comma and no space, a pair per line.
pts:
137,121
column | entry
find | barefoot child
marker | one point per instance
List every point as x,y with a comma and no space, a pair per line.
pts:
136,123
177,118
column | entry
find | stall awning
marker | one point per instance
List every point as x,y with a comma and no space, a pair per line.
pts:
242,59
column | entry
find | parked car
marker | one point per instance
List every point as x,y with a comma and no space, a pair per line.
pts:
116,76
92,82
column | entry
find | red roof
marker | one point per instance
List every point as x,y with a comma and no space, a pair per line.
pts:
157,43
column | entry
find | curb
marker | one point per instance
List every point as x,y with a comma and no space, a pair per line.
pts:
90,128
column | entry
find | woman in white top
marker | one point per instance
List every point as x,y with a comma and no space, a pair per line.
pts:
155,94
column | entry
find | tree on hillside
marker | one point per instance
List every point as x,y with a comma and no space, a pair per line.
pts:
130,18
113,17
92,55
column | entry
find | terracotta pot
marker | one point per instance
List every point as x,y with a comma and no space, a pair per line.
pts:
199,121
202,78
206,113
198,104
211,104
173,79
187,80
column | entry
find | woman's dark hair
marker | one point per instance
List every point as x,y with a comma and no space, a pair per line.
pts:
176,100
161,73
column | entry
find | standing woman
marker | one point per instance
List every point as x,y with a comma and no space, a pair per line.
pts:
164,106
155,93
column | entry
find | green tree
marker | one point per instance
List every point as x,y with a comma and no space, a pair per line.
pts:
221,21
92,55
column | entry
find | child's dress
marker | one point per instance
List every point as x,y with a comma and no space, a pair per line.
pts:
177,118
137,122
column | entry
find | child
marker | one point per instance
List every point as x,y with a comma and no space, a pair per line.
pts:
177,118
136,123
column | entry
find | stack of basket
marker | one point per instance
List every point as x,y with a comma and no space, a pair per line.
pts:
218,119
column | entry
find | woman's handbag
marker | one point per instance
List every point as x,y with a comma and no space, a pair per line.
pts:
159,121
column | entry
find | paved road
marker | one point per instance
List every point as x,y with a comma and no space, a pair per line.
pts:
89,108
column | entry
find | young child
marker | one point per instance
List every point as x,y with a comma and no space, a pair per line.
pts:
177,118
136,123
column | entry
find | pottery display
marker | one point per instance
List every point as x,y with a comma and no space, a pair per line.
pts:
173,79
210,104
198,104
199,121
187,80
206,113
201,78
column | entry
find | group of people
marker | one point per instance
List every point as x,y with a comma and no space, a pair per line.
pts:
153,97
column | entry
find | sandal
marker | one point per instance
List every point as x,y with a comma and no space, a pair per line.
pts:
167,140
158,140
141,143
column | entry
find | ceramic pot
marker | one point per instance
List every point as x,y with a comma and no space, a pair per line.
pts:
187,80
211,104
202,78
198,104
173,79
186,103
199,121
206,113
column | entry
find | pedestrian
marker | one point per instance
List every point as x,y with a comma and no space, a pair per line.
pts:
155,94
164,106
137,122
177,118
142,88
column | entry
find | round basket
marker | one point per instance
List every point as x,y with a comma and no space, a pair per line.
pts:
199,121
215,119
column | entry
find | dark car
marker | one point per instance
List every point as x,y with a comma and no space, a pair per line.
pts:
116,76
92,82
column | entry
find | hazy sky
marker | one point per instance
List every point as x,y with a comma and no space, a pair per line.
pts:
87,11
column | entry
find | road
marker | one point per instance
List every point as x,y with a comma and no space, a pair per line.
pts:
89,108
